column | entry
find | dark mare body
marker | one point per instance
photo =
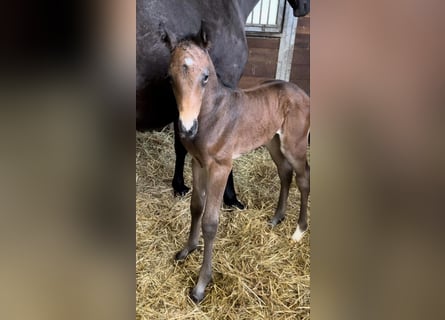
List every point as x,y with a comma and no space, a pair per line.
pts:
225,22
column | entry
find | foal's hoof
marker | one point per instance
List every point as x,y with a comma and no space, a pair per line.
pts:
298,234
196,297
234,203
275,220
181,255
181,190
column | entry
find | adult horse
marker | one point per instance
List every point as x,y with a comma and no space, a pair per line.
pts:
225,22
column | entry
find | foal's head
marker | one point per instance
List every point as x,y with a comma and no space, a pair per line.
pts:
190,71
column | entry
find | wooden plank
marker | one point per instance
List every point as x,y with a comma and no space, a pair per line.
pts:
257,42
260,70
300,72
265,54
304,24
301,56
302,40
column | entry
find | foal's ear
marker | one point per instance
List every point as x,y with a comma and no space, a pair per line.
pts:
204,35
167,36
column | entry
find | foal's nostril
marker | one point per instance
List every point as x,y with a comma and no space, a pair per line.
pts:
188,133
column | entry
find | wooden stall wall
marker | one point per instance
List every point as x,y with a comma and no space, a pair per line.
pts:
300,72
263,55
262,61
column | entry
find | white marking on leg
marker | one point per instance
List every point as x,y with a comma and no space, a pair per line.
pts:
280,136
188,61
298,234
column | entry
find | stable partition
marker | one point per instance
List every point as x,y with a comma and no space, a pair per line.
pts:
278,45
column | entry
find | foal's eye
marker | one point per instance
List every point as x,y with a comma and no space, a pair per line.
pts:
205,79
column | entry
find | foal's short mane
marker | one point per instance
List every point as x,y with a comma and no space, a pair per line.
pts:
188,41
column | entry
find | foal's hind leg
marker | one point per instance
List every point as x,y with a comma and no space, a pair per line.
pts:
304,187
196,209
295,152
285,173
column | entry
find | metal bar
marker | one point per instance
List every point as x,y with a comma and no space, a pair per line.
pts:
261,12
275,10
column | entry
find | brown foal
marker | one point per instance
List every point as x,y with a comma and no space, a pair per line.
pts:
217,124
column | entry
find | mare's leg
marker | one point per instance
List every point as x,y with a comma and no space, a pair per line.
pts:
285,173
230,195
178,185
215,188
196,209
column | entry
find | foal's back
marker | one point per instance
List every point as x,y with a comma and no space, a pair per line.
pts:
281,99
284,90
274,106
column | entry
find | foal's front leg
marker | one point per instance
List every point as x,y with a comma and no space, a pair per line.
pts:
215,188
196,209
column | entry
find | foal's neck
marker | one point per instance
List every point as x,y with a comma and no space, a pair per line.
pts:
217,101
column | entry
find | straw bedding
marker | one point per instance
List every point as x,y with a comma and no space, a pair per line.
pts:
258,272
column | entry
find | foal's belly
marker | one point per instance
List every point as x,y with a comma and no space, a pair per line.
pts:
249,144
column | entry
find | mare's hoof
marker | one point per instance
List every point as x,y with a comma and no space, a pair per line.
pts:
234,203
181,190
196,297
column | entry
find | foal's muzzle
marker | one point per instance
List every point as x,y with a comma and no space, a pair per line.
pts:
188,133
